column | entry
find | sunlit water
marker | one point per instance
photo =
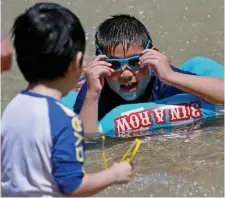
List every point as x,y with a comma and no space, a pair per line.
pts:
188,164
181,164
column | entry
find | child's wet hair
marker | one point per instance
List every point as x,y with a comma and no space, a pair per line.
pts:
121,29
47,38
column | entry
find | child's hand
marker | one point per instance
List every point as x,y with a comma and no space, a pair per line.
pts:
6,55
95,73
123,172
159,63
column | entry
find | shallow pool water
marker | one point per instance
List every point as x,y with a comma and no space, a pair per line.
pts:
187,164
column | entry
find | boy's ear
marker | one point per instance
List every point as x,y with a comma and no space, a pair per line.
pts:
77,62
155,48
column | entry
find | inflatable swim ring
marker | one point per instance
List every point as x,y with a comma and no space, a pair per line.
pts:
179,112
182,111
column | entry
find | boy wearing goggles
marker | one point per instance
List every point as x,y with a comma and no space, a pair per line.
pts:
134,71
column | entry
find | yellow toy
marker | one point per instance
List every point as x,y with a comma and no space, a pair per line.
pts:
129,155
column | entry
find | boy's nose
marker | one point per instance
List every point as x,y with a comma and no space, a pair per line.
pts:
126,75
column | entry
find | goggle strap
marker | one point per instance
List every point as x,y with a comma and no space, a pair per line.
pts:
148,43
99,50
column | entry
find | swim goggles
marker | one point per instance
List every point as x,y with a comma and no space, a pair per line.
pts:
128,156
131,62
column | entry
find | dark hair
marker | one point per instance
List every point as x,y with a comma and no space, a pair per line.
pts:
47,38
121,29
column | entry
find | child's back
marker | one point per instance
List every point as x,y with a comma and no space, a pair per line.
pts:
33,131
43,141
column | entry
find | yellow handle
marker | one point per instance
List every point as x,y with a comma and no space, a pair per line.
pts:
131,154
103,153
135,146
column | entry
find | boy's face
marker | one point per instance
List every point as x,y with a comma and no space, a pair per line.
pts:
128,83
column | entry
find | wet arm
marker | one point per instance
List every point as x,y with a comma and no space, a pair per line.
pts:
94,183
89,114
209,88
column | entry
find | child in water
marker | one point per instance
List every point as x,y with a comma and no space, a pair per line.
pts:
140,72
42,141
